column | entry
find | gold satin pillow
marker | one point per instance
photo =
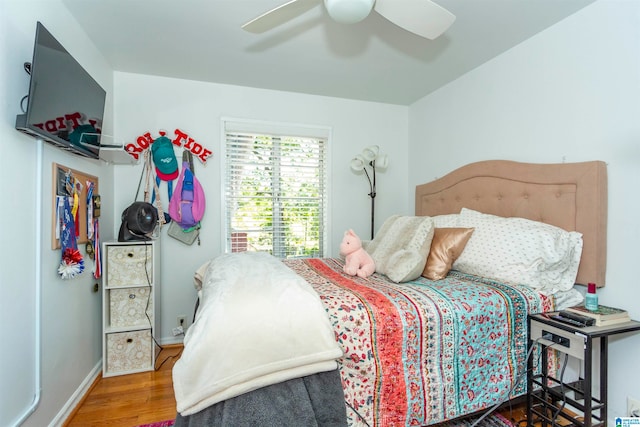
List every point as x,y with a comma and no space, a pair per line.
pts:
446,247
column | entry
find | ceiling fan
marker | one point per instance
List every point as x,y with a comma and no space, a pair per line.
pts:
422,17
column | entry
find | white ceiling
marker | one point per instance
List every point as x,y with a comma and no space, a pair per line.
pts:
373,60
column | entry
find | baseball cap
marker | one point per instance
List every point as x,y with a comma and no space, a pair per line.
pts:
164,158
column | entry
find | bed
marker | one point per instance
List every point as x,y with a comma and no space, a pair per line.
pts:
300,342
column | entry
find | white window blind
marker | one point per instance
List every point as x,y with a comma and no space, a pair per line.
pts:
274,190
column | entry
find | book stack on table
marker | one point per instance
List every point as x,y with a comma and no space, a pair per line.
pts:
604,315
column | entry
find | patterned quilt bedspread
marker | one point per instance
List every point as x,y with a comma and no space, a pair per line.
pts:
423,352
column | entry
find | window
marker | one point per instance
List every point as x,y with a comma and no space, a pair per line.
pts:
275,191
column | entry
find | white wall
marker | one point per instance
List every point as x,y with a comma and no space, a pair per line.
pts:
570,93
149,104
70,316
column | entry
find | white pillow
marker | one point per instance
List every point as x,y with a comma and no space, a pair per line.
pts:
445,221
519,250
401,247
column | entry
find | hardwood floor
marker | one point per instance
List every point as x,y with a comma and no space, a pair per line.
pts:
132,400
516,414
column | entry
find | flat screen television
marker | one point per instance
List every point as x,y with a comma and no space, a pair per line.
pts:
65,104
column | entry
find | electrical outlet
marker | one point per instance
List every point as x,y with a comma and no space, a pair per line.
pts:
633,407
182,321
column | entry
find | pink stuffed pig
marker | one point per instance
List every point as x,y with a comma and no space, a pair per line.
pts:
357,261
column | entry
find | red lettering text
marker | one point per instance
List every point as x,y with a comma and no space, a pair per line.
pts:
179,137
205,153
144,141
197,148
74,118
133,150
50,126
181,140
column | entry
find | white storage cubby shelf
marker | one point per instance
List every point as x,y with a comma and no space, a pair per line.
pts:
130,307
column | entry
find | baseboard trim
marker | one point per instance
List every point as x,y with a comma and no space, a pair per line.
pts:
166,341
71,407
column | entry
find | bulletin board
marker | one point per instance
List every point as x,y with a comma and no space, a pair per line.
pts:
62,178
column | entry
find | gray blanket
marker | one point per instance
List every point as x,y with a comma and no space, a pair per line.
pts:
314,400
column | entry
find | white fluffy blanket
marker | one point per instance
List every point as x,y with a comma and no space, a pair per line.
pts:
258,324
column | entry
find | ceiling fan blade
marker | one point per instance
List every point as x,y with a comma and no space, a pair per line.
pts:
279,15
421,17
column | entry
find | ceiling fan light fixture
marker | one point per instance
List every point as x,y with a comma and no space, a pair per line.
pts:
348,11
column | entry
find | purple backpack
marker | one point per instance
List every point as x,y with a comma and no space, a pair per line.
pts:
187,203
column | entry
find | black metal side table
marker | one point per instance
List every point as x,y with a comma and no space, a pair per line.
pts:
548,396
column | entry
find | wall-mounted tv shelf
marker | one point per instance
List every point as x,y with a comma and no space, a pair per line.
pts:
116,155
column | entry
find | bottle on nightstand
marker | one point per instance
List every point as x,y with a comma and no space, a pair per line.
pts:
591,299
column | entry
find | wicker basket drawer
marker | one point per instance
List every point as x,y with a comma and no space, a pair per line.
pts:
127,307
129,351
129,265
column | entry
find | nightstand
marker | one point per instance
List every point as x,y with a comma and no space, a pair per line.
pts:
546,394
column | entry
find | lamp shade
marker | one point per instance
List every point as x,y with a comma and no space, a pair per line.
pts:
382,161
348,11
358,163
370,153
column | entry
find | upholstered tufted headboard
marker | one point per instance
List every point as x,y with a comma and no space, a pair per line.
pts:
572,196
